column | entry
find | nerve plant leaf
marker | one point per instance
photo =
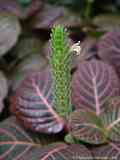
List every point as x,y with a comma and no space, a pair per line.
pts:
109,49
3,90
87,127
107,22
26,66
46,17
110,151
61,151
93,84
9,32
111,119
33,104
25,47
15,142
50,16
3,86
15,8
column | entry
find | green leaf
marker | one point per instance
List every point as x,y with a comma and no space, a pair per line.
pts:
86,126
111,119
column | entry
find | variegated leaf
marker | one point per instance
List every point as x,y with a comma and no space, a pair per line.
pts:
9,31
33,104
29,64
3,90
87,127
61,151
50,15
110,151
107,22
111,119
15,8
109,49
93,84
15,142
18,144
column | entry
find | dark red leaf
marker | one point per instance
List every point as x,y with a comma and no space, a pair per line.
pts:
18,144
30,63
15,142
107,21
33,104
27,46
14,7
93,84
51,15
3,90
109,49
110,151
61,151
10,31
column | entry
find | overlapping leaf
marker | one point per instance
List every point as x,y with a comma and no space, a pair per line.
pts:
61,151
94,129
110,151
107,22
24,3
29,64
87,127
9,31
33,104
111,119
25,47
15,142
51,15
109,48
3,90
93,84
3,86
33,62
21,12
45,18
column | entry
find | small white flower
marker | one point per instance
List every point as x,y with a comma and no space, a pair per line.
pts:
76,48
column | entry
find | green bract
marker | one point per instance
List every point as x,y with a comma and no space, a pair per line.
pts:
61,62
